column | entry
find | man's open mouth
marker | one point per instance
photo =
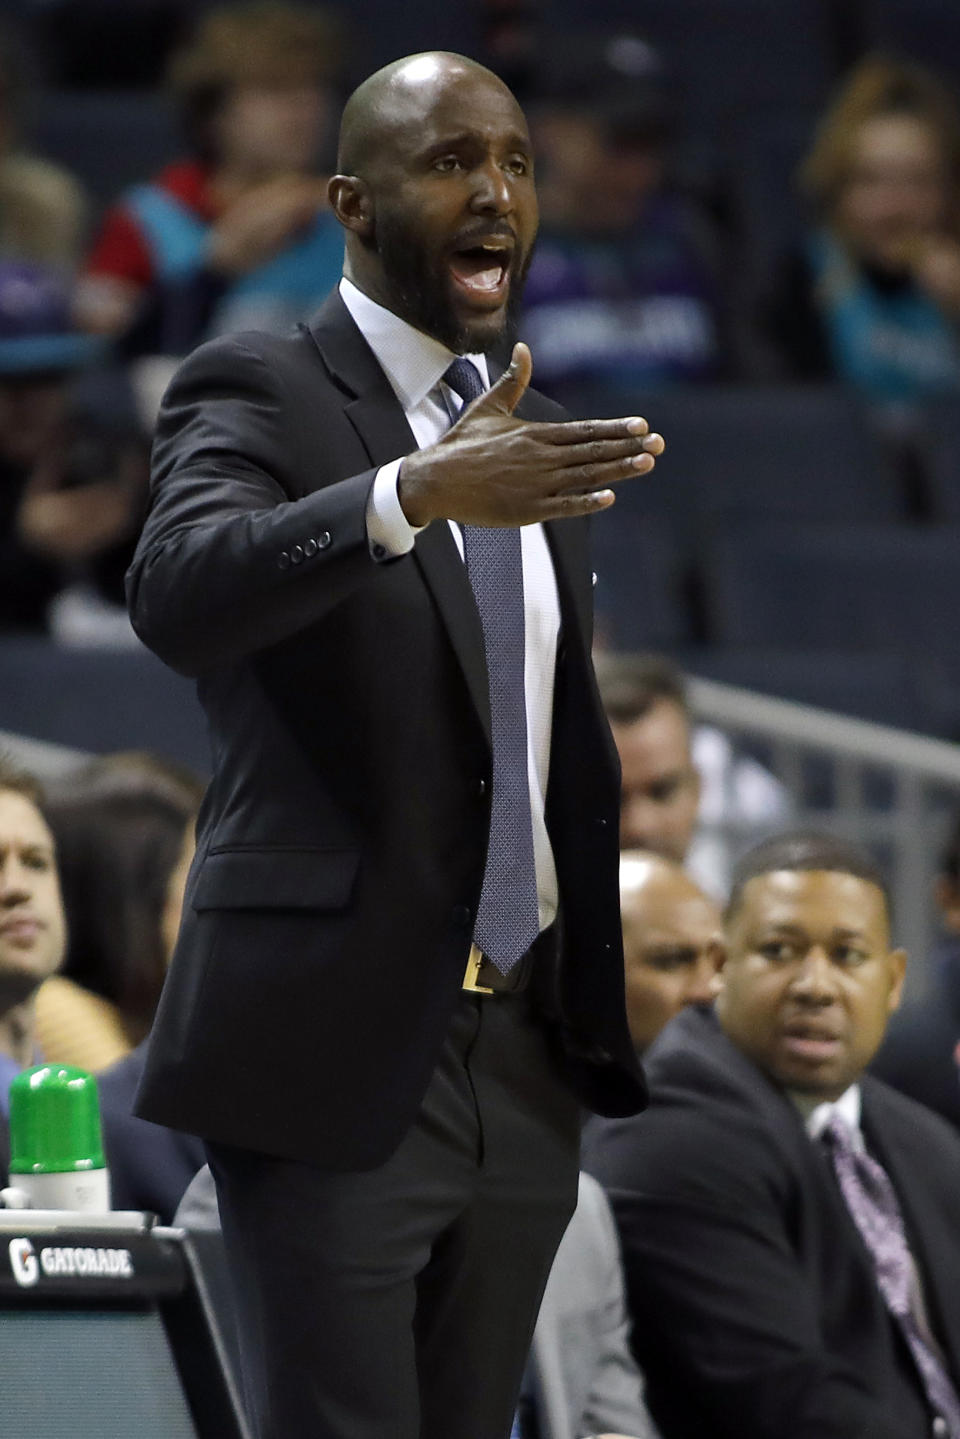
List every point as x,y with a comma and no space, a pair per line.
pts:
482,270
811,1041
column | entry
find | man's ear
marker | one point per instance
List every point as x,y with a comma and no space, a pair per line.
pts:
718,956
898,958
351,202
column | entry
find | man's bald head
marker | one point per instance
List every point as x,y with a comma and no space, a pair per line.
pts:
435,192
393,96
672,942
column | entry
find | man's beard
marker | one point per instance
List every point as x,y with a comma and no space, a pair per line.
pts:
420,291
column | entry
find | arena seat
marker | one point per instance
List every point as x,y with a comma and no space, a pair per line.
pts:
729,56
924,30
639,595
798,452
100,700
889,689
881,588
109,139
768,212
940,453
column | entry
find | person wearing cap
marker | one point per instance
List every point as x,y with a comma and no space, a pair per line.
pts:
624,291
239,235
71,486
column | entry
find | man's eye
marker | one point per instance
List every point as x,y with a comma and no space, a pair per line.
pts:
777,950
518,165
446,163
849,956
665,791
668,960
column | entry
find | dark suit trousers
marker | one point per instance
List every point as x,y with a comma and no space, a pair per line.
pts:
399,1303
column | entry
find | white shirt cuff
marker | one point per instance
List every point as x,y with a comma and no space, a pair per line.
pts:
389,532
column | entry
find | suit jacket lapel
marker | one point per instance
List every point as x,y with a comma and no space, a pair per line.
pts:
377,416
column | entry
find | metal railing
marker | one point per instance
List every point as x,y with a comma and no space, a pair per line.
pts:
892,791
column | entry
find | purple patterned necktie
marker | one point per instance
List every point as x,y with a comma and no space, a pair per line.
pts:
508,918
874,1208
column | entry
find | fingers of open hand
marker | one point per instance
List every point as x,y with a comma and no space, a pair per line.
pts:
601,473
572,504
581,432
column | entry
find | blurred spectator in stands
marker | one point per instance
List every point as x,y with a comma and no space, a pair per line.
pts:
71,489
239,235
150,1165
32,925
624,291
873,298
42,208
672,942
921,1054
686,793
120,824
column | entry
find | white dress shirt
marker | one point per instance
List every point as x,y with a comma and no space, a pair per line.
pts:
414,363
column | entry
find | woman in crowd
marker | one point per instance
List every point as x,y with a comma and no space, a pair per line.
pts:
120,826
873,296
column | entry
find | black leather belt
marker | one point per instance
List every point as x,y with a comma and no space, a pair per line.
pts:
483,977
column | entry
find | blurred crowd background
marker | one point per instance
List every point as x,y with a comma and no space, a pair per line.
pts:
750,234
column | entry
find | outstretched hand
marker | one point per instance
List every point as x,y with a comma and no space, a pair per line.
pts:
493,469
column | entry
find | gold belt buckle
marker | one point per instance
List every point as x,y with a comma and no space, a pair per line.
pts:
474,961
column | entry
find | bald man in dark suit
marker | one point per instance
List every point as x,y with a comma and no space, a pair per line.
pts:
391,1108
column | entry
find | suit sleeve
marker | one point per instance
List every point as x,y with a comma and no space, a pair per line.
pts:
725,1326
615,1405
212,578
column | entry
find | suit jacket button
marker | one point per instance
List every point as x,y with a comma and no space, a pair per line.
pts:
462,915
296,555
283,560
324,539
310,548
482,788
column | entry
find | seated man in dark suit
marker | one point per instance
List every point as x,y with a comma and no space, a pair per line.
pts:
789,1224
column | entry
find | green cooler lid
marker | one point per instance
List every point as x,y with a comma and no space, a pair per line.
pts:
54,1121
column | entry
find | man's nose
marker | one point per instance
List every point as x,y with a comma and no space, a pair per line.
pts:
14,884
815,977
491,189
702,986
640,823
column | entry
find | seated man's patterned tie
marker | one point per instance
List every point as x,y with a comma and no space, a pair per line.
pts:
875,1210
507,920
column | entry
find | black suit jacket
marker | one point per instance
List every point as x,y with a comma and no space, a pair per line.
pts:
341,845
755,1306
920,1055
